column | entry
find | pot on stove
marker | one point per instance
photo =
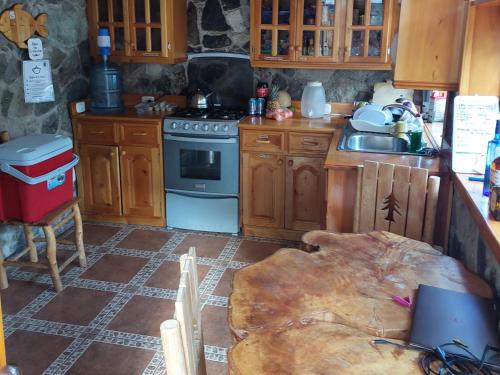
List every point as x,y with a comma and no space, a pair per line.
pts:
199,99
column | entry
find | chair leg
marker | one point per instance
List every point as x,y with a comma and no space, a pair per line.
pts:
51,255
4,283
28,234
79,236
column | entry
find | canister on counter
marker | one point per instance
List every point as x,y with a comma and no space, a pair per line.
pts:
261,107
495,189
252,107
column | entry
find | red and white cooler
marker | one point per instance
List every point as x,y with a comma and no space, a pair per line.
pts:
36,176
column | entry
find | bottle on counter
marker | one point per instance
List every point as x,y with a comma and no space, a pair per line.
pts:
495,188
262,90
493,151
415,129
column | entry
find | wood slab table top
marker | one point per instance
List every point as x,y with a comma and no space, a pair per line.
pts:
351,281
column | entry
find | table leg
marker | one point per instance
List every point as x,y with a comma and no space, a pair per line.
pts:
79,236
28,234
51,255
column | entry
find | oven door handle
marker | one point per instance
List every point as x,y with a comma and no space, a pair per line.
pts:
169,137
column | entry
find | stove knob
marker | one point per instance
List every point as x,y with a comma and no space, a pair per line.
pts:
174,125
205,127
196,127
186,126
216,127
225,128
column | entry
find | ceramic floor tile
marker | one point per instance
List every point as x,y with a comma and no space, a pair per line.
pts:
143,315
168,274
216,368
19,294
206,245
215,326
140,239
111,359
224,287
115,268
254,251
95,234
75,306
33,352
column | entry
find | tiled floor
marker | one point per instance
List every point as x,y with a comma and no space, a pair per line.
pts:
107,318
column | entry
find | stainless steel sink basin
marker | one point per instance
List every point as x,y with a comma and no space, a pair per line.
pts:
373,142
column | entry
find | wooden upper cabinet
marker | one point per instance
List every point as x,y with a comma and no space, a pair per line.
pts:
145,31
430,44
349,34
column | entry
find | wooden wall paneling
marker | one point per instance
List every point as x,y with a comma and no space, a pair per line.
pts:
401,190
368,196
341,199
431,208
384,191
416,206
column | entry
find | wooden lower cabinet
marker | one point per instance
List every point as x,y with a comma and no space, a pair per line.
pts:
263,189
283,193
100,170
305,193
139,177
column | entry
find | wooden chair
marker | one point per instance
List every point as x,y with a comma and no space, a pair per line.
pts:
182,337
50,224
396,198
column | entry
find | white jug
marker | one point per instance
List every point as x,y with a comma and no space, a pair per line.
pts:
313,100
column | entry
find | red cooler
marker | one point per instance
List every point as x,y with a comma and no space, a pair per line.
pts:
36,176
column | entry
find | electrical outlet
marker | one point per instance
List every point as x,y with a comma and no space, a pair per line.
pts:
80,107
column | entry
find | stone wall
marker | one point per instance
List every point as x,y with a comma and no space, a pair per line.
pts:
67,49
467,245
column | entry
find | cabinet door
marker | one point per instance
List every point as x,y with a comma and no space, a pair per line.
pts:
148,28
318,30
367,30
101,179
111,14
273,30
142,185
262,189
305,193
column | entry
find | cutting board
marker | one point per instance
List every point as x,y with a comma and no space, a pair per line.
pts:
385,93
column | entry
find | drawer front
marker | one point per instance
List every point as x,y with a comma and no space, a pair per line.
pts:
134,134
97,132
263,141
309,143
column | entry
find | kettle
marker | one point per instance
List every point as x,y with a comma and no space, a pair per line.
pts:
199,99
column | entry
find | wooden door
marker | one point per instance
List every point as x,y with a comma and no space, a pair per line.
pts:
273,30
148,28
101,179
141,181
262,189
430,44
112,14
305,206
319,29
368,30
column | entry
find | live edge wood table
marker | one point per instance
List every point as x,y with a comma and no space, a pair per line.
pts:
304,313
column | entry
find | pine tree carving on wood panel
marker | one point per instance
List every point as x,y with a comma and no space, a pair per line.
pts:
392,206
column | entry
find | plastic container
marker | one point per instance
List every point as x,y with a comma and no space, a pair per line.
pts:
36,176
105,80
313,100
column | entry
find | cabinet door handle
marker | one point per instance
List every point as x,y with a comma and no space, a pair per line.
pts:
111,153
310,143
280,161
97,132
140,134
124,153
273,58
290,163
266,141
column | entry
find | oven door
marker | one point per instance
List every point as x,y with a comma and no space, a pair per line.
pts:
206,165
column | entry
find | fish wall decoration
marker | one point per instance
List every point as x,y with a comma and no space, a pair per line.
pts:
18,25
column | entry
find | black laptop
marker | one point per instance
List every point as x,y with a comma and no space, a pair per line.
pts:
442,316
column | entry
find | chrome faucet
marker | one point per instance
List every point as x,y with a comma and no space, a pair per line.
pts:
400,106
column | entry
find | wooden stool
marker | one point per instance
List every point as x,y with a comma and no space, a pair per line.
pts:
49,229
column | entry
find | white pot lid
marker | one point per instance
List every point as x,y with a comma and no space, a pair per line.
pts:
33,149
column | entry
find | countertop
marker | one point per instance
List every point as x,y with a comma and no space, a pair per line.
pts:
478,204
325,124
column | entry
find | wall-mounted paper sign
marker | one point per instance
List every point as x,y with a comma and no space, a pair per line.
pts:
35,48
37,77
474,119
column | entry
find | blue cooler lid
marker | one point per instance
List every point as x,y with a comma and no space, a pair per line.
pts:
33,149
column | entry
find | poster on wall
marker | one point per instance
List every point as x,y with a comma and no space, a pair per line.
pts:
37,78
474,119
